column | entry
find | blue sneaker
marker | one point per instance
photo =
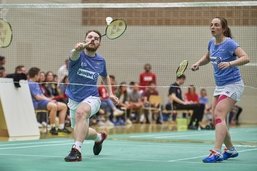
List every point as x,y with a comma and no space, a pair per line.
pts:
214,157
229,153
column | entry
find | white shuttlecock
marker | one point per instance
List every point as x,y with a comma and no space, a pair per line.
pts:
108,20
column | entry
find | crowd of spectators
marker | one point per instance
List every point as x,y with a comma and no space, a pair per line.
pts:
48,92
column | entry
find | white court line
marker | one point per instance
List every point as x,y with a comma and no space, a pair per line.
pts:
42,145
33,146
196,157
119,159
173,135
86,157
36,142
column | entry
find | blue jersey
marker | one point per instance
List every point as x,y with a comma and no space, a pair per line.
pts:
224,52
83,76
34,90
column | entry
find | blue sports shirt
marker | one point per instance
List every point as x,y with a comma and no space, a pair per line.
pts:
224,52
34,90
83,76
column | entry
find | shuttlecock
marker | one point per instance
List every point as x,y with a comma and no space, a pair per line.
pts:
108,20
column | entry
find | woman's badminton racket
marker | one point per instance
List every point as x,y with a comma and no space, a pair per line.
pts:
5,33
182,68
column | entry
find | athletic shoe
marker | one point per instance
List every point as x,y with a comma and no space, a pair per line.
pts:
64,130
118,112
53,131
128,122
98,145
73,156
214,157
229,154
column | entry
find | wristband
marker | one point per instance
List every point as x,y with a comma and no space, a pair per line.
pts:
229,64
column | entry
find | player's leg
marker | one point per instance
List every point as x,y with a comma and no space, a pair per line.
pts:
82,122
62,108
221,106
80,114
92,134
52,108
98,137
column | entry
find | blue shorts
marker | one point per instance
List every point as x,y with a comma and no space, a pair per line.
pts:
41,105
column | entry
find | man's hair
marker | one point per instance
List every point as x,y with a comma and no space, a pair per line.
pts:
2,57
18,68
112,77
96,31
2,68
33,72
181,77
148,65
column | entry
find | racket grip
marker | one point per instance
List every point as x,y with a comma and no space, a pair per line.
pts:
73,50
84,44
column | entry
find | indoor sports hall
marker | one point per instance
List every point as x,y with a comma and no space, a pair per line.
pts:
159,34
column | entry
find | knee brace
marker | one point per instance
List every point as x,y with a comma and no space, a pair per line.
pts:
221,97
219,121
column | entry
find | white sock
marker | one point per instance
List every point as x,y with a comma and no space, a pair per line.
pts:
78,145
61,126
231,148
98,137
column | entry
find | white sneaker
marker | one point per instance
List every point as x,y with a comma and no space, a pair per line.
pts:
128,122
39,125
109,123
118,112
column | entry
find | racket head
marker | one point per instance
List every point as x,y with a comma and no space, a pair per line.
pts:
115,29
182,68
5,33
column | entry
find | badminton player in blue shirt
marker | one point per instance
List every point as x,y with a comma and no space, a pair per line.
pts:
85,66
225,56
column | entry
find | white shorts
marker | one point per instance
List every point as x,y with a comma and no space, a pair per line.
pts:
93,101
234,90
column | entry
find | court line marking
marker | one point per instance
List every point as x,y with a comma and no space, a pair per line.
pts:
191,135
168,134
120,159
196,157
125,142
35,142
33,146
43,145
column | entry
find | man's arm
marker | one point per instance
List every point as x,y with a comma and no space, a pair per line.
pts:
77,49
41,97
174,98
107,83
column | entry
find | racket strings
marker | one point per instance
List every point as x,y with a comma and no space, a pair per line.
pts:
116,28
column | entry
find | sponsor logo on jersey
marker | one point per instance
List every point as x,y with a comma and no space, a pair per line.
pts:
87,74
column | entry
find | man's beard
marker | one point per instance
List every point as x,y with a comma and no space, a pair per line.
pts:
91,49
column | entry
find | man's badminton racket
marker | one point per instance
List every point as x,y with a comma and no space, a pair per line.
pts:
114,29
5,33
182,68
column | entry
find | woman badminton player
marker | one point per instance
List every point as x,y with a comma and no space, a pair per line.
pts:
225,55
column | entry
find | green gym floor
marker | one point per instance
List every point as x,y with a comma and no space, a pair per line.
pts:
138,148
